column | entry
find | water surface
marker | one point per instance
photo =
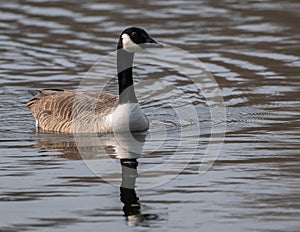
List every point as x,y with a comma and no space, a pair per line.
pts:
251,48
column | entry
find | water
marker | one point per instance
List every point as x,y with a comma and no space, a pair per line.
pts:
251,48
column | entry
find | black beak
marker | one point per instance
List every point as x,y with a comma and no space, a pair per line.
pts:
151,43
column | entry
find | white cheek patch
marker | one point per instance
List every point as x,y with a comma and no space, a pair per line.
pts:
129,45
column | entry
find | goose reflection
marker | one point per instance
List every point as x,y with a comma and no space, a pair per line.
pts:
126,149
132,207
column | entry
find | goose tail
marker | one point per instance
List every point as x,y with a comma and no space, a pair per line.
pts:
33,92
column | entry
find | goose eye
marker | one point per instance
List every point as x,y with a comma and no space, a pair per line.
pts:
133,34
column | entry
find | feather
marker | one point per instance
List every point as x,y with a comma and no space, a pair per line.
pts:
71,111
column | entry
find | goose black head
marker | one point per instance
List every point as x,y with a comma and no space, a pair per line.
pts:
134,39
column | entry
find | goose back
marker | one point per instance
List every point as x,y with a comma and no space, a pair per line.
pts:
72,111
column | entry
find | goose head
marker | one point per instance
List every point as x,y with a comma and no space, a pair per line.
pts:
134,39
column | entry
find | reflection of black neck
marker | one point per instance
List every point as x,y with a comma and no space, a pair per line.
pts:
124,68
127,192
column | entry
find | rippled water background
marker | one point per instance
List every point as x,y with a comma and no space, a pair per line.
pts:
251,48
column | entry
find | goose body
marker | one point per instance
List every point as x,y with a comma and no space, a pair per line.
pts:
72,111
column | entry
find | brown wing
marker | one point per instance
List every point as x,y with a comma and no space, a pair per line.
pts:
54,110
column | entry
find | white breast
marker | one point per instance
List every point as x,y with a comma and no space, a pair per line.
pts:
129,117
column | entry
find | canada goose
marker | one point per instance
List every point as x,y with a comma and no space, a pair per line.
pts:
71,111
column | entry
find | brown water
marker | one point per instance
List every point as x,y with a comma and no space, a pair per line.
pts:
252,49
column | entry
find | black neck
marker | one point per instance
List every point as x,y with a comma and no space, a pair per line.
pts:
124,67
